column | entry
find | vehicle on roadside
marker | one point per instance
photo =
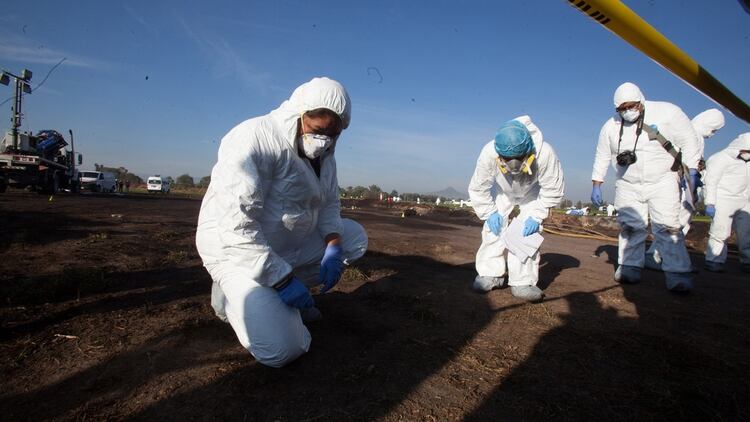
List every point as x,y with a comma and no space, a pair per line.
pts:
97,181
156,184
38,162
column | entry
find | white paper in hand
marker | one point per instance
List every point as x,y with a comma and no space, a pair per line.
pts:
519,245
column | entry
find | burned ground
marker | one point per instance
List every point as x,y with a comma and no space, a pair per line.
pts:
105,315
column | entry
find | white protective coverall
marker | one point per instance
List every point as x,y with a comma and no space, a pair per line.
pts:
648,188
264,215
728,190
705,125
490,190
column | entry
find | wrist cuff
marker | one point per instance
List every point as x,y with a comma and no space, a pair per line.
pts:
284,282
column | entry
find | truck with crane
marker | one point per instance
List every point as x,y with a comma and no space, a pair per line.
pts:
40,162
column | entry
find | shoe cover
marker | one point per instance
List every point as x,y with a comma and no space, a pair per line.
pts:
486,283
679,282
530,293
715,267
628,274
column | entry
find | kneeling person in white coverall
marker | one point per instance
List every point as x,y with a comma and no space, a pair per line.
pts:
516,168
270,223
728,202
646,186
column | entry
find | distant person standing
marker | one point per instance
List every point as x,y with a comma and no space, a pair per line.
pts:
127,185
270,223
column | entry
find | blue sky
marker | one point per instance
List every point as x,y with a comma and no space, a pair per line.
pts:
153,86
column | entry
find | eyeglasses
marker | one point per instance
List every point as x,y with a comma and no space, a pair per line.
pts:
628,106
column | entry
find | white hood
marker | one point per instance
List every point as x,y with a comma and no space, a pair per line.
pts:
628,92
707,122
318,93
741,143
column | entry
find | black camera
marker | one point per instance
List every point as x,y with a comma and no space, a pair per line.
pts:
626,158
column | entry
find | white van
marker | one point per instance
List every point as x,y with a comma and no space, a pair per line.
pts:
97,181
157,184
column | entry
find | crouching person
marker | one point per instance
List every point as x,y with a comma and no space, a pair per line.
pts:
270,224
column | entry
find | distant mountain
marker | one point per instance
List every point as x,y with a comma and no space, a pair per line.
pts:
450,193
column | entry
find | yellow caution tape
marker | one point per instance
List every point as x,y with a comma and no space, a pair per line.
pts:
623,22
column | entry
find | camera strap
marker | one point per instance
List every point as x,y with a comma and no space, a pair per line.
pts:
667,145
637,132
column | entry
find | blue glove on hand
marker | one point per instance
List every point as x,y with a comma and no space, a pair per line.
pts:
495,223
596,195
655,128
695,178
710,211
331,267
296,295
530,226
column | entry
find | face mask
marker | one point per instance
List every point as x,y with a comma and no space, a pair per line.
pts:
315,144
630,115
744,156
515,166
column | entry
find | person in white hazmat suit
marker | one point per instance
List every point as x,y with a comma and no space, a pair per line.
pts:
728,202
705,124
516,168
646,187
270,223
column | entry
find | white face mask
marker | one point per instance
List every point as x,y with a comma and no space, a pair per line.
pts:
630,115
314,144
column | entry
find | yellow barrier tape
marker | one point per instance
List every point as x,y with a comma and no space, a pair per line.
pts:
623,22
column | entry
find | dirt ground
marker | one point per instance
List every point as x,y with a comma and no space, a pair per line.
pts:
105,315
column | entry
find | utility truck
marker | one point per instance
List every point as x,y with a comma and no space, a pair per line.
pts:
40,162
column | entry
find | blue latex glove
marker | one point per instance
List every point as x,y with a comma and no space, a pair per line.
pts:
596,195
530,226
331,267
296,295
695,178
655,128
495,223
710,211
